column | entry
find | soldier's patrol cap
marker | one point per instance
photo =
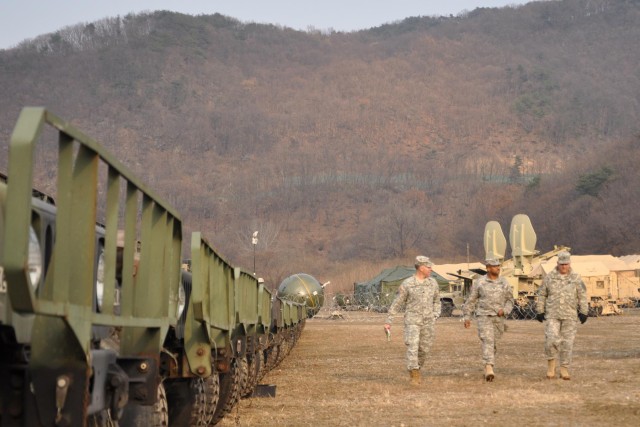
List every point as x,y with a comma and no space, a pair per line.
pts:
564,257
492,261
423,260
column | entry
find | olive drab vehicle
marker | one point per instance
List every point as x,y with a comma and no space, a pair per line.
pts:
99,324
452,298
58,371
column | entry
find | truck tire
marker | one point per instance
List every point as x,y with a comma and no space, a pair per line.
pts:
229,392
156,415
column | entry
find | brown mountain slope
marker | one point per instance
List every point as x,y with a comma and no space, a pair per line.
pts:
342,147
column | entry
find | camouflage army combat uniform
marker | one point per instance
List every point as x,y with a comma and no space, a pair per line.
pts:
560,297
487,298
422,301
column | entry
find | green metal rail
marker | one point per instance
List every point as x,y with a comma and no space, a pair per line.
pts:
264,304
246,305
69,360
64,306
211,317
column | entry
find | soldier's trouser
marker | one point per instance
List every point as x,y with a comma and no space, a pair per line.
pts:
418,339
490,329
559,335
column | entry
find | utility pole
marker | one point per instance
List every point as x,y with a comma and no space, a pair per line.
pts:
254,242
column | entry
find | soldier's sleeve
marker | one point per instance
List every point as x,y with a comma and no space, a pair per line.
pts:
398,302
470,303
542,296
508,304
437,305
582,297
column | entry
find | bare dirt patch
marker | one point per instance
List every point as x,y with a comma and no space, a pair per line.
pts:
344,373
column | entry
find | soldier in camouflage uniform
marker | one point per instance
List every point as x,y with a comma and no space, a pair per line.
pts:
421,296
491,298
561,296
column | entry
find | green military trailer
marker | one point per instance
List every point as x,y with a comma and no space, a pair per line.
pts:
247,317
228,318
207,350
99,324
59,309
264,336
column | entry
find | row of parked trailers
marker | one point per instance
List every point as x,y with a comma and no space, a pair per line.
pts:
99,324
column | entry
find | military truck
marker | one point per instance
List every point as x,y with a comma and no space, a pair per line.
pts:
453,296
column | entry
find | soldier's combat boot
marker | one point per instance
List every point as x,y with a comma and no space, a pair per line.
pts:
551,369
564,373
415,376
488,373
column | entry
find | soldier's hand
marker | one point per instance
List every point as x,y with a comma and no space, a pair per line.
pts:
540,317
501,313
467,324
583,317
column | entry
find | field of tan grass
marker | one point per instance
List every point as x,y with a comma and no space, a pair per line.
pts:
344,373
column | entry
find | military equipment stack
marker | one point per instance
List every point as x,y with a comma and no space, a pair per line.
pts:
98,323
518,270
523,270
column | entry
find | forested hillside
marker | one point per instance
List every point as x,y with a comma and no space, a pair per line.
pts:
363,148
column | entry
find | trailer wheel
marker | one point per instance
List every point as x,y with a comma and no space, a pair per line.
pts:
253,369
264,368
229,392
243,367
211,387
196,387
283,350
156,415
272,357
193,401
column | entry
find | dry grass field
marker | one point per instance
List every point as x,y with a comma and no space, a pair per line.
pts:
344,373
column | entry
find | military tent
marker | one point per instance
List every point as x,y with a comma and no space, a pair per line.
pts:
379,292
